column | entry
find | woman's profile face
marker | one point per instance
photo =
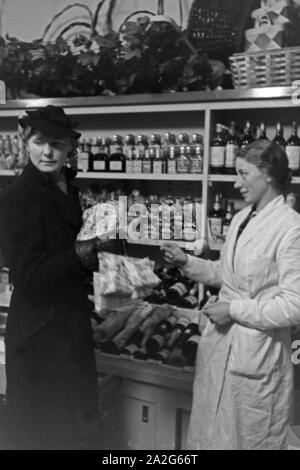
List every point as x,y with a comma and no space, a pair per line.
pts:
48,153
252,183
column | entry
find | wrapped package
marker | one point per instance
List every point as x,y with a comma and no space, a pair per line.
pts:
125,276
114,322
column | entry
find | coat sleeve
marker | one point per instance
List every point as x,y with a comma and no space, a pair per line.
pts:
282,310
204,271
38,275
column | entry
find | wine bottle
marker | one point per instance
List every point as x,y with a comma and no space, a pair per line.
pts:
158,340
128,150
247,137
231,150
178,290
177,332
262,132
189,349
191,299
293,151
279,139
227,219
117,158
176,358
217,152
197,155
215,219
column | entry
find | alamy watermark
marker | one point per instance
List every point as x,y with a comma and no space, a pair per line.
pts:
155,221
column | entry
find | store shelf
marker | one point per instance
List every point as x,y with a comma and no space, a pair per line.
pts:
145,371
138,176
222,178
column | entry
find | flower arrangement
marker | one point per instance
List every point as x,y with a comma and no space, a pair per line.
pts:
142,57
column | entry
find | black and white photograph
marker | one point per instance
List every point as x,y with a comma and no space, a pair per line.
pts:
149,227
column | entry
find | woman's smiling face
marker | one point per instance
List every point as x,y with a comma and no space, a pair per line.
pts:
48,153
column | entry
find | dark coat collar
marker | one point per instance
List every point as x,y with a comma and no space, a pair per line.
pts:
67,206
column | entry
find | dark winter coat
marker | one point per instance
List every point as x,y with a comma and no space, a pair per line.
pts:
51,376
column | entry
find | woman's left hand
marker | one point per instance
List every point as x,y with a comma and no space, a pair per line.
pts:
218,313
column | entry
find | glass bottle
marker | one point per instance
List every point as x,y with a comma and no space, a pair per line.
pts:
293,150
247,137
231,150
217,152
159,339
189,349
83,156
215,219
156,154
128,151
227,219
116,163
183,161
262,132
146,160
139,154
197,154
191,299
279,139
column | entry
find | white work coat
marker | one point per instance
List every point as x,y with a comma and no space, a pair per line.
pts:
244,374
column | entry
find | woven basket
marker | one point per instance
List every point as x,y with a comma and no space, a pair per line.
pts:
269,68
217,26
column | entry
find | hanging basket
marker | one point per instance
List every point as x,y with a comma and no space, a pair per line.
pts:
217,26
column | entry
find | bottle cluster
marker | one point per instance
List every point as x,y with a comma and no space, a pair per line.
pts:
9,152
173,341
142,154
227,142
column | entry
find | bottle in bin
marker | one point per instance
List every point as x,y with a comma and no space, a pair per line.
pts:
179,290
159,339
189,349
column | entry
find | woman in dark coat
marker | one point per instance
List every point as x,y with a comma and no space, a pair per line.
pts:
51,374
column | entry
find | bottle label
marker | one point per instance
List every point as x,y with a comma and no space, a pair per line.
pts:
182,165
231,152
129,166
180,288
191,300
215,224
99,165
131,349
293,154
115,166
197,165
157,167
217,157
137,166
194,339
171,164
147,166
225,230
83,161
160,340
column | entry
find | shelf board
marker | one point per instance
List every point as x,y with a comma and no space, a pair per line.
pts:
222,178
155,102
145,371
137,176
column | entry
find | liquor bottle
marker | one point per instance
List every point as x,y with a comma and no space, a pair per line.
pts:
191,299
215,220
177,332
128,150
117,158
155,154
279,139
159,339
247,137
293,151
171,161
191,330
170,140
227,219
83,156
262,132
100,157
133,343
183,161
178,290
197,154
139,154
217,152
146,160
189,349
231,150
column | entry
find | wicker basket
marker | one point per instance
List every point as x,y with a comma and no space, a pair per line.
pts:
217,26
269,68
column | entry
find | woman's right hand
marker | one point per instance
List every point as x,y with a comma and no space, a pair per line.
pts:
173,254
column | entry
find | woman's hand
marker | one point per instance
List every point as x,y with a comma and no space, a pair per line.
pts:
173,254
218,313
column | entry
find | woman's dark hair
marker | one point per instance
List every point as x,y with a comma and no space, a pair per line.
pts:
271,157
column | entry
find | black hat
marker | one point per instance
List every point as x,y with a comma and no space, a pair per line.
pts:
50,120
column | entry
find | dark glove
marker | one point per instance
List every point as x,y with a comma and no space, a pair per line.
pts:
112,245
87,253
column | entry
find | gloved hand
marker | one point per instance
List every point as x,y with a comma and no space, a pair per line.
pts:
112,245
87,253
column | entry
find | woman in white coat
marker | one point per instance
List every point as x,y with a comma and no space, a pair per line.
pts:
244,375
